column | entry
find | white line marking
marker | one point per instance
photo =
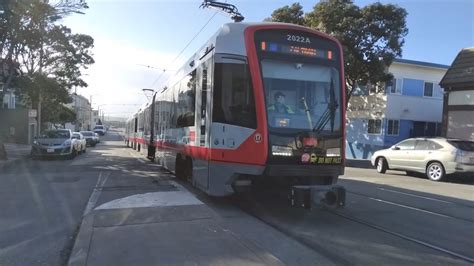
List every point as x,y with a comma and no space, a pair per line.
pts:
408,194
408,207
96,193
152,199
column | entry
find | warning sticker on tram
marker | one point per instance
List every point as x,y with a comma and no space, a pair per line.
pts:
314,159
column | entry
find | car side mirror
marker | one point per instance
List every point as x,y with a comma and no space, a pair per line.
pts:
395,148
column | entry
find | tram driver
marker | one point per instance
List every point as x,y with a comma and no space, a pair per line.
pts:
279,105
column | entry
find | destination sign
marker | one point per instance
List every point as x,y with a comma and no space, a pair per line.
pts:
295,50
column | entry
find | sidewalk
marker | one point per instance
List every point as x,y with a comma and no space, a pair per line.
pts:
173,227
15,152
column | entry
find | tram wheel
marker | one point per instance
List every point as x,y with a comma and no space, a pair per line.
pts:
179,168
188,169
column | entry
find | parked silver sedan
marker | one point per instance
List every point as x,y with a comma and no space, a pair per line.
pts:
90,138
435,157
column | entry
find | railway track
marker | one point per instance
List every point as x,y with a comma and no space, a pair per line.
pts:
252,205
426,210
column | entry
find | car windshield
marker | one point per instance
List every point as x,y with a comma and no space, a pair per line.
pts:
462,144
55,134
88,134
76,135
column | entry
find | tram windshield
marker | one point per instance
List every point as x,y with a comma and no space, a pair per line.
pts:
302,95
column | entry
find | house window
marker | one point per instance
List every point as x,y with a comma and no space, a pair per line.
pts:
361,89
394,86
372,88
375,126
393,127
428,92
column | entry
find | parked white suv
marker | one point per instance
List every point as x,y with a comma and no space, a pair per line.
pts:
100,129
435,157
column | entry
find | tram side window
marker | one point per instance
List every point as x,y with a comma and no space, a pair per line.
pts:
233,101
186,101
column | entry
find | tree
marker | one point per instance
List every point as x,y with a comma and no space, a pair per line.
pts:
30,88
60,115
45,50
371,37
290,14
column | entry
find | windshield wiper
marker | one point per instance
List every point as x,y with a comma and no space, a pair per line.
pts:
330,112
307,111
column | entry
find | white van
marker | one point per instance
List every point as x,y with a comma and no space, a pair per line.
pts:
100,129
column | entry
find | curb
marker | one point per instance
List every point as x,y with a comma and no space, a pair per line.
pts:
80,250
10,163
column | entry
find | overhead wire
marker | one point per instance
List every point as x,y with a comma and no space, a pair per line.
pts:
187,45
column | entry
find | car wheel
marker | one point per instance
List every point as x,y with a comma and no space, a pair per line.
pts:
381,165
72,155
435,171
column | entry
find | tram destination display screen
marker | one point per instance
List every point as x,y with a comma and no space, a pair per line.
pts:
295,49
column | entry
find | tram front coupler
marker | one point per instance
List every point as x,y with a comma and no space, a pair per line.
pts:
314,196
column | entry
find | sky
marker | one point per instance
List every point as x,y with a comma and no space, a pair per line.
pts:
135,40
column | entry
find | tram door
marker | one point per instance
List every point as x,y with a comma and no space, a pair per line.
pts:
203,121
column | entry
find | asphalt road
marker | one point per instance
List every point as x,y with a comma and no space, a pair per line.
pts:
389,219
42,202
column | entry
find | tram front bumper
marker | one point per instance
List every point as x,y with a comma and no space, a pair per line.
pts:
326,196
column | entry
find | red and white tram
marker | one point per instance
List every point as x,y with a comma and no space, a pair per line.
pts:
258,100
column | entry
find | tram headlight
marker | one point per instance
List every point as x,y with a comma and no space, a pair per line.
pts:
282,151
333,152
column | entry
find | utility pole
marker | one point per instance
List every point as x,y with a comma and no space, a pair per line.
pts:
151,147
40,99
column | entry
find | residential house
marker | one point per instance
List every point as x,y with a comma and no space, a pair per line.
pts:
410,105
95,118
458,83
17,122
83,110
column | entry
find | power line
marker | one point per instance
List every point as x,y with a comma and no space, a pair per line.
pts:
187,45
